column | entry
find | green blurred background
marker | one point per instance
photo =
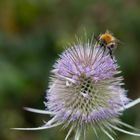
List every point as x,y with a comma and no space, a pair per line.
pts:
34,32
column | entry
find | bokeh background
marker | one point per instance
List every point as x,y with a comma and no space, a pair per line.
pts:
32,35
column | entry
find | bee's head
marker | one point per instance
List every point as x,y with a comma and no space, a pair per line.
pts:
107,38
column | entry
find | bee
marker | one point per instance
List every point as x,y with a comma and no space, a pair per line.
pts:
108,41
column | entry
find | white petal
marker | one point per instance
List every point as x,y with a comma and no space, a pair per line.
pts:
85,95
131,104
107,134
68,79
94,129
124,131
84,134
77,135
68,84
38,128
69,133
127,125
53,120
38,111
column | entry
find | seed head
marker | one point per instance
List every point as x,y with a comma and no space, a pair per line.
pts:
85,90
84,87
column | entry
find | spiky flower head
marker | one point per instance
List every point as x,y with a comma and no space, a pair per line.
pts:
85,91
85,88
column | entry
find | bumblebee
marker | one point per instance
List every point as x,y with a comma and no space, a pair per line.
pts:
107,41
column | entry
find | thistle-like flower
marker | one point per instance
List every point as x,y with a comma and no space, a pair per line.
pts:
85,91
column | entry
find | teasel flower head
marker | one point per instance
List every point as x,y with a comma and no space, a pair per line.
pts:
86,91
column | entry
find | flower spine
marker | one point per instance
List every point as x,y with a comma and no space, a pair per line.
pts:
85,91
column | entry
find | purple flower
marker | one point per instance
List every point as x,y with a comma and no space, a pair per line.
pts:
85,91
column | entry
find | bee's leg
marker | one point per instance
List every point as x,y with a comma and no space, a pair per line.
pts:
111,54
104,49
